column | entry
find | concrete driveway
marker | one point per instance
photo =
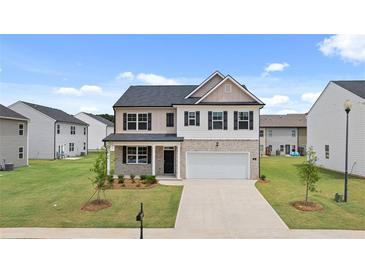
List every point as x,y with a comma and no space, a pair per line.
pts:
226,209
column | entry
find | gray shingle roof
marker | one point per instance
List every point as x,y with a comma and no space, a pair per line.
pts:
288,120
56,114
9,113
135,137
156,96
355,86
101,119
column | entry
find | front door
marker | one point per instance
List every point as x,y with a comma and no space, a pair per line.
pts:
287,149
168,167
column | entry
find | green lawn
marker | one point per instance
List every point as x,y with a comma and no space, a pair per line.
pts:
285,187
50,194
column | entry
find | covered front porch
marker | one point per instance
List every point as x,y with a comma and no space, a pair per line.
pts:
145,155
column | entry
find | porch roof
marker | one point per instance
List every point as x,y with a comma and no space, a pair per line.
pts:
142,137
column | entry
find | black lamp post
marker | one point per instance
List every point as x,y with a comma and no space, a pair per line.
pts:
347,107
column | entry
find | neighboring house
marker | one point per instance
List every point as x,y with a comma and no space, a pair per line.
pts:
327,127
99,128
13,137
282,134
209,130
53,133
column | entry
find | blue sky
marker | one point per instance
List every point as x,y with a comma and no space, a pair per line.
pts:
90,72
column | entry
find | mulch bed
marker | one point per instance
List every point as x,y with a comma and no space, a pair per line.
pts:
307,206
137,184
96,205
263,181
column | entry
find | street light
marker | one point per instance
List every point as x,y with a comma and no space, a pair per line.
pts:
347,105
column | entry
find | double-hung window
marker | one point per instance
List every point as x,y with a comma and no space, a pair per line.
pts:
58,129
84,146
131,121
71,147
142,121
270,132
73,130
327,151
21,152
293,133
192,118
84,130
169,119
21,129
261,133
243,120
137,155
217,120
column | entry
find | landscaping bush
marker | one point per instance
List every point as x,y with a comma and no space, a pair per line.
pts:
263,177
143,177
110,180
121,179
132,177
151,179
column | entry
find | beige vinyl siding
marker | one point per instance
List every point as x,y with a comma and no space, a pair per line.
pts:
207,86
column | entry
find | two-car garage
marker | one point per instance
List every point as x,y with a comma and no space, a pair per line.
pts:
217,165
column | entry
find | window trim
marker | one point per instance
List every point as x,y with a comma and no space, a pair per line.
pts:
21,153
192,119
243,120
73,132
227,90
137,155
71,145
221,120
21,129
293,133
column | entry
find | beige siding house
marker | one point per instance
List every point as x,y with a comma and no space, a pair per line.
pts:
283,134
13,138
209,130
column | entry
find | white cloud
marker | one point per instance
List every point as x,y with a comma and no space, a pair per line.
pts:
90,89
154,79
274,67
88,109
310,97
348,47
85,89
286,111
68,91
125,75
276,100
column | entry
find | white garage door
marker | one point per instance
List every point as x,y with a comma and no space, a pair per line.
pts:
206,165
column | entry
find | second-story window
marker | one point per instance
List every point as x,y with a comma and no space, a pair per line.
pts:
261,133
58,129
243,120
270,132
142,121
169,119
73,130
84,130
131,121
192,118
21,129
293,133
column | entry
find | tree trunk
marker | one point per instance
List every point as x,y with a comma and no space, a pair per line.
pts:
306,193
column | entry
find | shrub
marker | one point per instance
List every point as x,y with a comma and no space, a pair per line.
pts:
263,177
132,177
151,179
110,180
143,177
121,179
308,172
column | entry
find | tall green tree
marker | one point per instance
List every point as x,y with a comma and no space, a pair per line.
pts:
308,172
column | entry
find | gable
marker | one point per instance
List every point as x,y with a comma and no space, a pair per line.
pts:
201,91
236,94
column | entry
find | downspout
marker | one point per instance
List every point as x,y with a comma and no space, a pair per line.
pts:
87,140
259,147
114,119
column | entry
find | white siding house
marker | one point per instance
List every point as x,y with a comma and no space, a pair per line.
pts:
99,128
327,127
52,132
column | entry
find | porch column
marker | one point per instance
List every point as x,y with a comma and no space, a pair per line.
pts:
178,162
107,146
153,160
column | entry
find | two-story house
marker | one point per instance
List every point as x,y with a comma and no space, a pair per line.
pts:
209,130
13,138
283,134
98,129
53,133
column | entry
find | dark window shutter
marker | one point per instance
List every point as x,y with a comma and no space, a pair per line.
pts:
225,123
149,153
251,119
209,120
186,118
124,160
197,116
235,119
124,121
149,121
